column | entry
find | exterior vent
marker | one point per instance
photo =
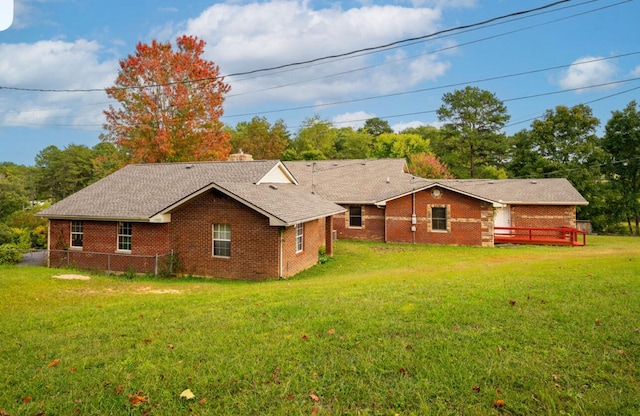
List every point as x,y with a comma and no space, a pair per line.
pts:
273,187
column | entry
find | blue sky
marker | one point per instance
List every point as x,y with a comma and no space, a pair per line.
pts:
577,51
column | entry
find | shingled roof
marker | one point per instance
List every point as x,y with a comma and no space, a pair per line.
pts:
547,191
148,192
375,181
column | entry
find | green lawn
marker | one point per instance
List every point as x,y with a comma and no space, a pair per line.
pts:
378,330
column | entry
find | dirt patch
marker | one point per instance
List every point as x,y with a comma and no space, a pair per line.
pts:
159,291
71,277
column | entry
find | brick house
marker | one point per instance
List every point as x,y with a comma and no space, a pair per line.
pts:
384,202
243,220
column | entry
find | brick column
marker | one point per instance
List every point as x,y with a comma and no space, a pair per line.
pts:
328,235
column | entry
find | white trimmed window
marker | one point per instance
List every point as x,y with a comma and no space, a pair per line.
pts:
221,240
76,234
125,231
355,216
299,238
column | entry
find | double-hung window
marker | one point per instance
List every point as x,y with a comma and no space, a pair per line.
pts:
299,238
76,234
125,231
439,218
355,216
221,240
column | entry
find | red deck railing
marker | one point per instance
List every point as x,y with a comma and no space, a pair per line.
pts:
563,236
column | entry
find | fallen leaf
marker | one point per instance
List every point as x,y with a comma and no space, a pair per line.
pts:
476,389
409,347
621,352
597,321
314,411
304,337
4,413
331,331
119,389
403,371
170,346
314,397
555,377
26,399
512,302
290,396
136,400
498,403
498,392
203,400
54,362
187,394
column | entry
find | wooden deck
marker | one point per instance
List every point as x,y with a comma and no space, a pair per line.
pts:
563,236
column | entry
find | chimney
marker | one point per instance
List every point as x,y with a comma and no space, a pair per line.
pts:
240,157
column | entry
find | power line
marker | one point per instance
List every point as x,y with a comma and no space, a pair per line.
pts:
354,52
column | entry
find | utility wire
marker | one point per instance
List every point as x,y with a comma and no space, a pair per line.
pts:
373,48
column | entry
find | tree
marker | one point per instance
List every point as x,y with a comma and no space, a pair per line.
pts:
170,105
261,139
428,166
315,140
352,144
63,172
399,145
563,144
376,126
622,141
472,131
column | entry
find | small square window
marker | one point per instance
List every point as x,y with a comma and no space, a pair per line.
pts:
439,218
355,216
221,240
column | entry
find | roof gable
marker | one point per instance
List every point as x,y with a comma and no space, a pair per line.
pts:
149,192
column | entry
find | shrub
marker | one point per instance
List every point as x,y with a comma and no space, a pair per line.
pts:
10,254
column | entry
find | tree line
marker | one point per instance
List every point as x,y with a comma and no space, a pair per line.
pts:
170,104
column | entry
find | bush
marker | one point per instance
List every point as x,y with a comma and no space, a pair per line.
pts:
10,254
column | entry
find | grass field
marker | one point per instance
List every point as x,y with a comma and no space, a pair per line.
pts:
377,330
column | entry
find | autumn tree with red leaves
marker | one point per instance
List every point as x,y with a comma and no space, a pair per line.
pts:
170,105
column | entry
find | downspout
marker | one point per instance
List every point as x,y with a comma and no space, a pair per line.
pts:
414,220
280,260
49,244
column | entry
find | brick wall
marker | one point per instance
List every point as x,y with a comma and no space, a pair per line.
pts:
469,221
313,238
543,216
255,245
372,228
100,246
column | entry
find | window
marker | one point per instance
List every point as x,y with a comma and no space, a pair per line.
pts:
299,238
124,236
355,216
221,240
439,218
76,233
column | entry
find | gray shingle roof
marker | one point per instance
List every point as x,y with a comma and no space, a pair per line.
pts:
367,181
547,191
374,181
140,192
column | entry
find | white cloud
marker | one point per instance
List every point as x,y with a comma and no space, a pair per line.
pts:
354,120
586,72
259,35
398,127
59,65
636,71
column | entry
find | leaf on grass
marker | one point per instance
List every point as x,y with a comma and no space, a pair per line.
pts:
137,400
54,362
597,321
331,331
314,411
512,302
187,394
305,337
4,413
314,397
26,399
119,389
170,346
498,403
203,400
476,389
